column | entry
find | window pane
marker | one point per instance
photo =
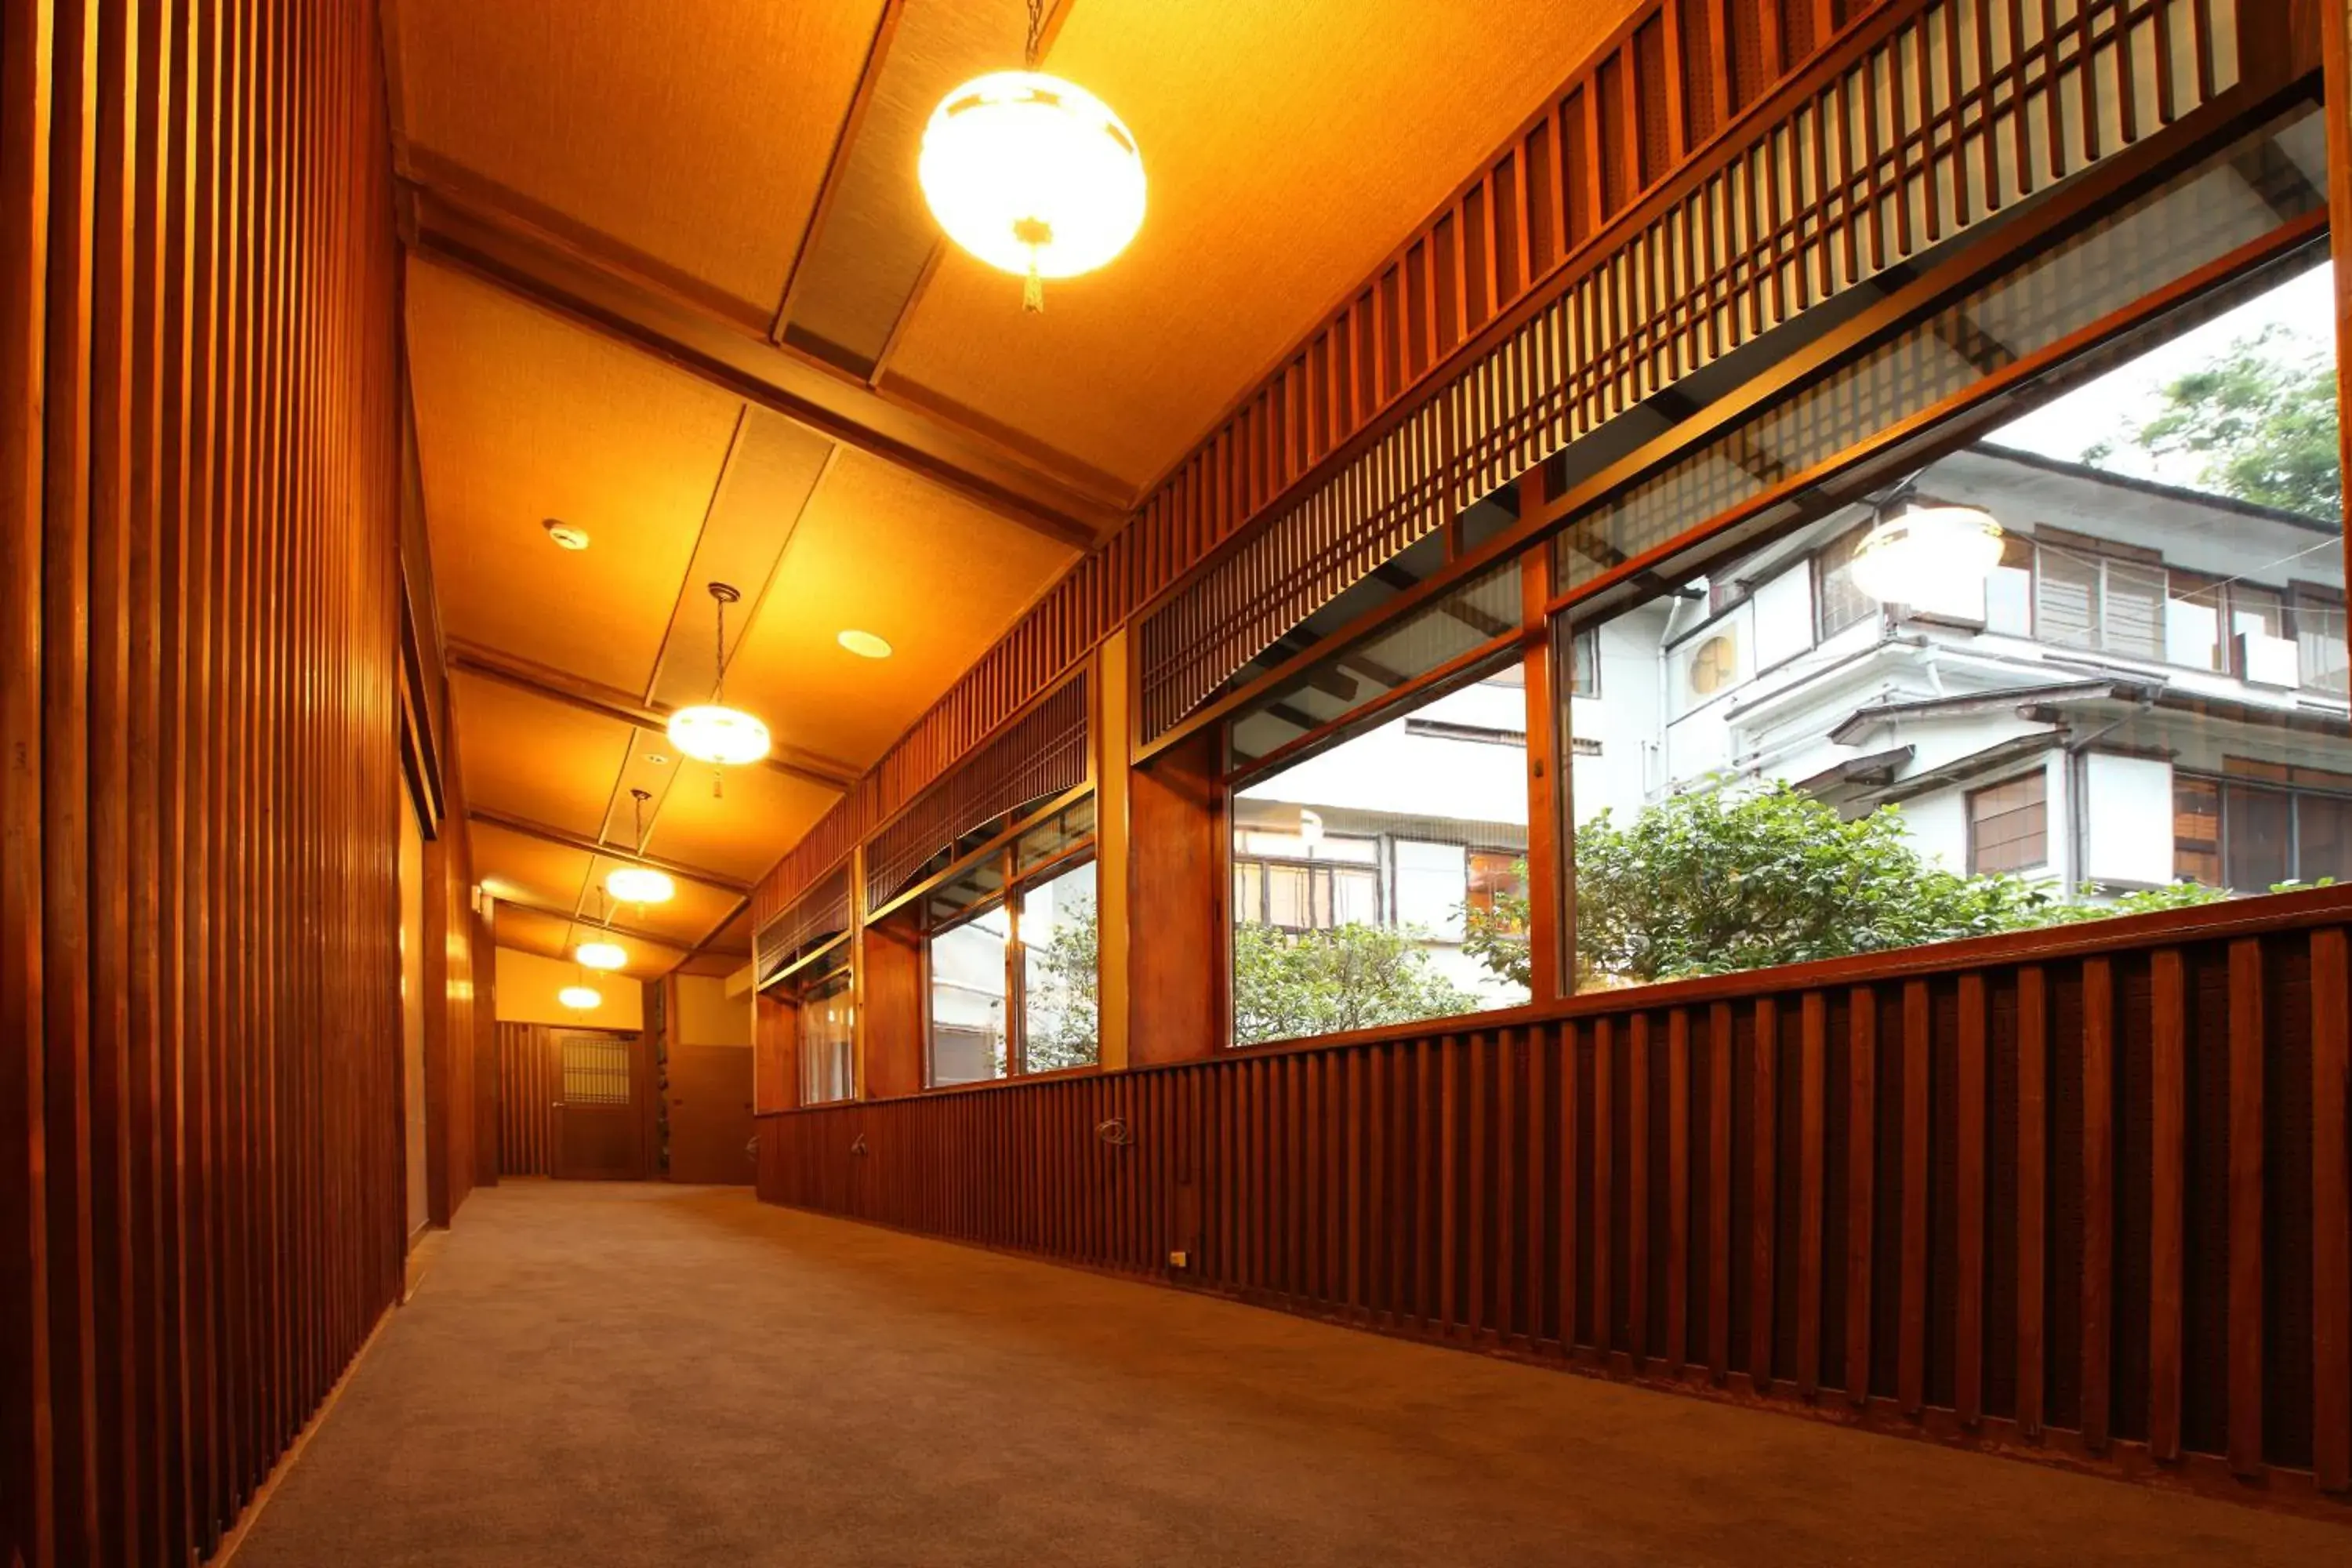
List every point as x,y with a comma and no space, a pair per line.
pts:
2010,826
826,1062
2254,836
2323,837
968,1010
1369,915
2197,830
1058,971
1065,830
1747,810
1843,603
2321,650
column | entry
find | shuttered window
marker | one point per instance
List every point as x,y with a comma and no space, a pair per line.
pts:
2091,602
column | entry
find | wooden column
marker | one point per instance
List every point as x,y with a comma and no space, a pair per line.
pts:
1178,984
1551,919
1114,903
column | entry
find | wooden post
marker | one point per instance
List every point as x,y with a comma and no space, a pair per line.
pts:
1112,693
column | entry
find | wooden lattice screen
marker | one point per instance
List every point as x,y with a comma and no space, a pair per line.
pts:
1043,753
1961,111
821,911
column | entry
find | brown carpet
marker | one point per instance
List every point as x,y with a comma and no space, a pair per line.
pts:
647,1374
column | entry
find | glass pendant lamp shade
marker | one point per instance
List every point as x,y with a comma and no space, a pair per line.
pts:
640,884
580,998
711,733
1928,554
1032,174
601,955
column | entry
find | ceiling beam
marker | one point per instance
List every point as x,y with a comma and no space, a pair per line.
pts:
459,219
683,946
580,841
611,702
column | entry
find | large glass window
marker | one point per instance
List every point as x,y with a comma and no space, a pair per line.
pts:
1012,959
1382,877
2131,703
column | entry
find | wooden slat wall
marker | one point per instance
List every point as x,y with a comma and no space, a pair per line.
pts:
2076,1200
1632,121
529,1083
200,1151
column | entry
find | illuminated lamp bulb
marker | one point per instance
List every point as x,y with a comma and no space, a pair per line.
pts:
1927,555
1032,174
580,998
640,884
601,955
711,733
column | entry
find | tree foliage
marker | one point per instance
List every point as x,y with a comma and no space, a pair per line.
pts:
1064,1027
1289,986
1725,879
2262,418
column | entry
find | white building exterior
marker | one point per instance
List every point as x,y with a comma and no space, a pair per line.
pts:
2150,687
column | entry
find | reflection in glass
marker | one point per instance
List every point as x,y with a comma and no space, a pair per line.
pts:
827,1062
968,1000
1057,934
2135,708
1383,880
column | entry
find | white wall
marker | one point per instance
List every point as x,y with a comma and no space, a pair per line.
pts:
707,1016
528,985
2128,819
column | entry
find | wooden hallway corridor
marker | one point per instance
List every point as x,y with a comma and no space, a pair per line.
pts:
620,1374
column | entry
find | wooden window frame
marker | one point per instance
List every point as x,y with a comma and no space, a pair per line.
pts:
1975,845
1016,980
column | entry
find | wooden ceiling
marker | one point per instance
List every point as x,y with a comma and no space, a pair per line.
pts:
670,281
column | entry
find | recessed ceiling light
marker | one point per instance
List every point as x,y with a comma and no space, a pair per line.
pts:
865,645
564,534
656,759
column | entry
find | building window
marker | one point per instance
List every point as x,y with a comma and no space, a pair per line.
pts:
1838,601
1584,663
2248,838
2321,651
1011,958
2009,826
2087,600
828,1066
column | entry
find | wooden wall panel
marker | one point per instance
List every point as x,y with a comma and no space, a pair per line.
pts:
1819,1189
200,1152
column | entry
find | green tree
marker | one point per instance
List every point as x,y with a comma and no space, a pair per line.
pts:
1289,986
1064,1027
2263,418
1725,879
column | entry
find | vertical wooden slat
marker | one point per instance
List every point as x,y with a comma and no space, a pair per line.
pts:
1763,1210
2247,1172
2032,1201
1967,1371
2098,1199
2168,1151
2331,1205
1911,1360
1604,1184
1862,1171
1812,1067
1677,1185
1637,1193
1718,1170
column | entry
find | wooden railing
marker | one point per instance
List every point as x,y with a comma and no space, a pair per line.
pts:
2078,1194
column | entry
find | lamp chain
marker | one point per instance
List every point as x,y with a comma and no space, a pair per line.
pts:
1036,27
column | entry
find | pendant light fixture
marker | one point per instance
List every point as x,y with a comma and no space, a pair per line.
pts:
640,884
581,997
1928,554
712,731
1031,174
601,955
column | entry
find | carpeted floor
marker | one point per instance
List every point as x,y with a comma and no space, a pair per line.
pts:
598,1374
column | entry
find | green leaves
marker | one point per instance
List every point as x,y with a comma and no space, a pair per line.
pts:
2264,417
1289,986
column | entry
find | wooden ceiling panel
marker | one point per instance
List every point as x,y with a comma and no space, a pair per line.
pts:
538,760
520,869
695,132
1288,148
881,551
521,417
740,832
